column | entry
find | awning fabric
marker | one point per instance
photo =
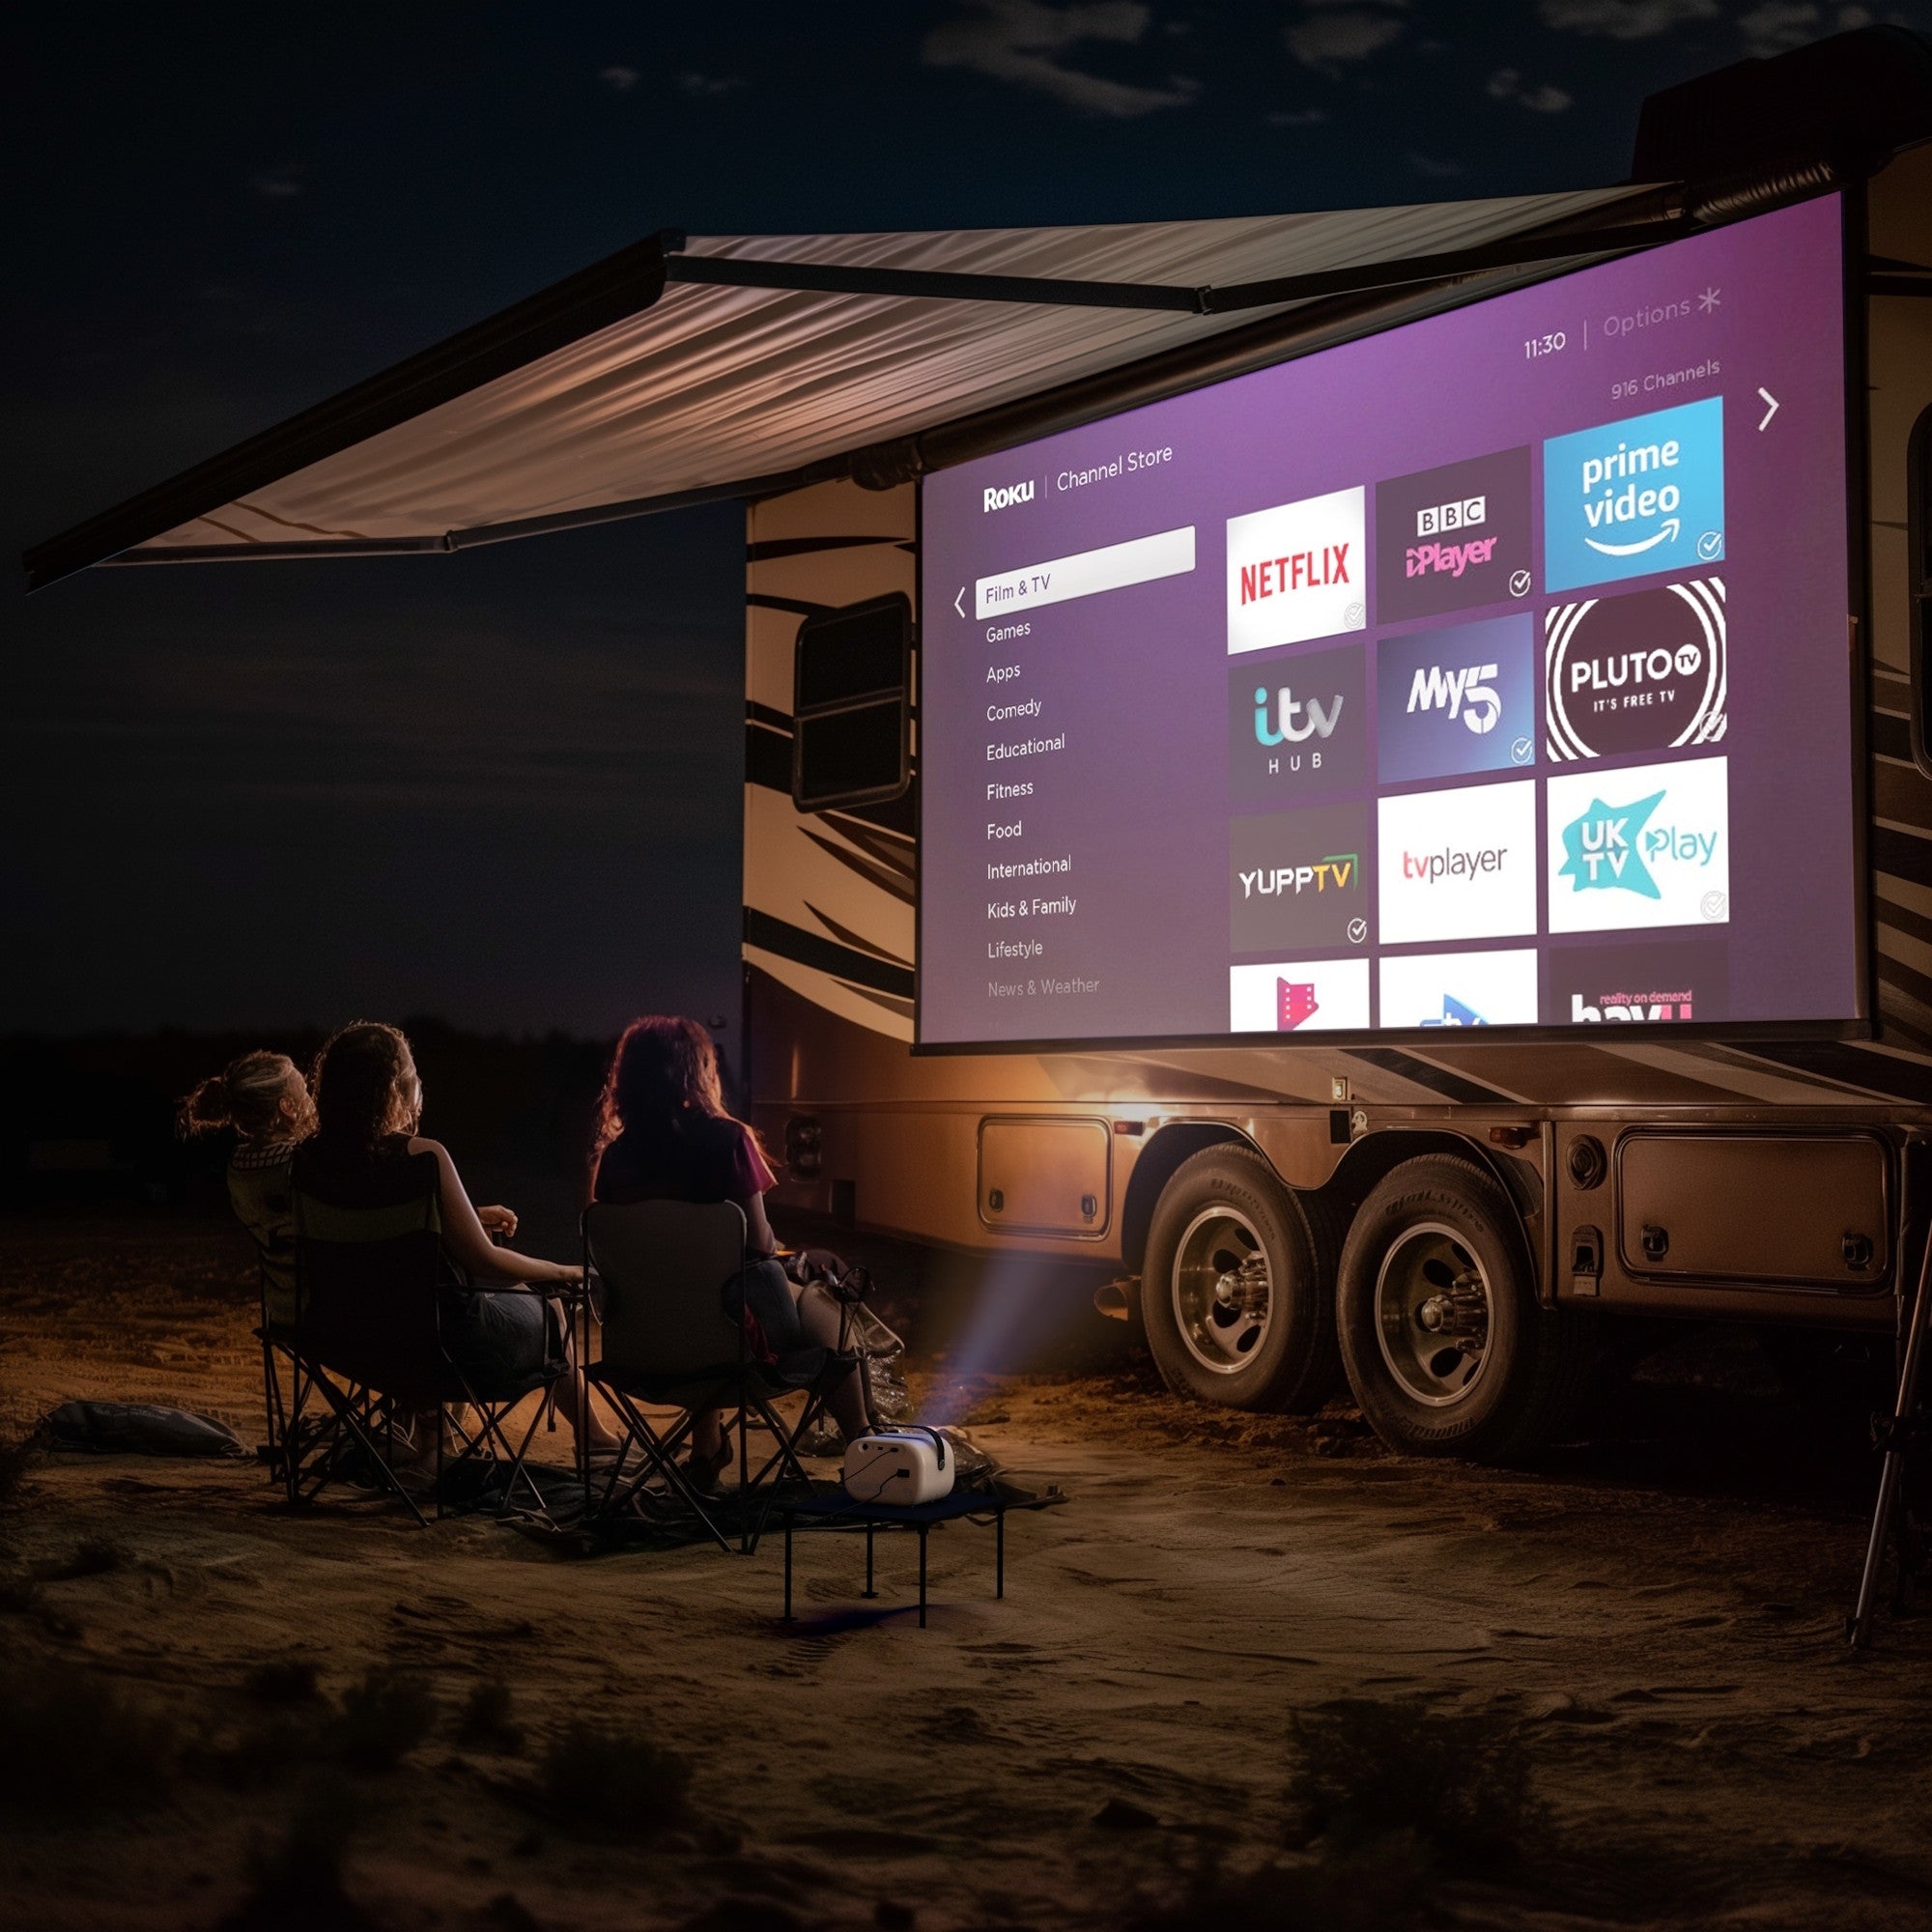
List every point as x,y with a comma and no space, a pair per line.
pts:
716,389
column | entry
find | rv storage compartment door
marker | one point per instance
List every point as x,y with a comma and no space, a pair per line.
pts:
1039,1176
1804,1209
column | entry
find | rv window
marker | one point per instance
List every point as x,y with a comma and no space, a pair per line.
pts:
1919,552
852,705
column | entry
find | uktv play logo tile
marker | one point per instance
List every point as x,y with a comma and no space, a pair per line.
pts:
1648,845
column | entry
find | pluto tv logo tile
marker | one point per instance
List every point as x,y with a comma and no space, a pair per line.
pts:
1297,727
1453,538
1456,700
1658,985
1647,672
1635,499
1295,879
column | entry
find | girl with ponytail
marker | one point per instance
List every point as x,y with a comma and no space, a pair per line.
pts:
265,1099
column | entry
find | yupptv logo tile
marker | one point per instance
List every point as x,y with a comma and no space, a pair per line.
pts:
1633,498
1649,845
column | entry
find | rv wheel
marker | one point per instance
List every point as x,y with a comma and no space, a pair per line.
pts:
1445,1345
1235,1293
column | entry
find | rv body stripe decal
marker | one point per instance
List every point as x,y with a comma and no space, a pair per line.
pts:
824,955
1438,1079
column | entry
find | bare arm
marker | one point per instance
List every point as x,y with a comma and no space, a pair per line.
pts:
760,1241
467,1244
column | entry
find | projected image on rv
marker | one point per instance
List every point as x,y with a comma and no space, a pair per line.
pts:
1487,671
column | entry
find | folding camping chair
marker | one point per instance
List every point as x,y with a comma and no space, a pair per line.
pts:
670,1341
368,1343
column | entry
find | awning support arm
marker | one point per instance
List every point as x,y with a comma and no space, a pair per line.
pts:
914,284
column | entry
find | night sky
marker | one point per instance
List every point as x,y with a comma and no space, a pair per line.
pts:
503,787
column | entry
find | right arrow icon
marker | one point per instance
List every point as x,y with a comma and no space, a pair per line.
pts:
1772,410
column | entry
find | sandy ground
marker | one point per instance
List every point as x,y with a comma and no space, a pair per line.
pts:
1653,1616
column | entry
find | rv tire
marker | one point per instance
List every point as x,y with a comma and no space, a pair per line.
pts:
1236,1290
1445,1345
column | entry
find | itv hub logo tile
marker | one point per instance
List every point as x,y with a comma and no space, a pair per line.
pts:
1647,672
1459,989
1649,845
1457,865
1456,700
1298,571
1453,538
1310,996
1294,878
1634,497
1297,727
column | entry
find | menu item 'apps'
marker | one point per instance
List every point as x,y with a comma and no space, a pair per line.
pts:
1634,497
1298,571
1452,538
1662,983
1457,865
1646,672
1297,727
1313,996
1456,700
1649,845
1294,878
1459,989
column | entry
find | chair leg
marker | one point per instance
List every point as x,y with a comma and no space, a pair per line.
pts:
1859,1624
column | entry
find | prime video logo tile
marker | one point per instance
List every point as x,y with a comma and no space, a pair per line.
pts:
1633,498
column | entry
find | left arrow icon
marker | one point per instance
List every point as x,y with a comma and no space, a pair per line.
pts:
957,595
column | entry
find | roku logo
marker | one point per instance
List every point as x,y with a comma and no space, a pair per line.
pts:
1305,570
1005,499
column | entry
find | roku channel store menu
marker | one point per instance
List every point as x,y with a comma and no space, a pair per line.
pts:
1488,671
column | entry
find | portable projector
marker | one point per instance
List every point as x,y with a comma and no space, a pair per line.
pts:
897,1466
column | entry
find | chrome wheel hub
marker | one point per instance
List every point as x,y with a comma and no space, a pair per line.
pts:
1222,1290
1433,1309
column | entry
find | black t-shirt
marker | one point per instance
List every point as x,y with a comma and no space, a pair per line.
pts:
708,1157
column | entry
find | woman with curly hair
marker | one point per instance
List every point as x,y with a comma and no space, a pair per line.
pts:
664,1134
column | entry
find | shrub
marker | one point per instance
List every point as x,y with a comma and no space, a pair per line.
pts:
97,1556
383,1719
485,1722
297,1883
71,1740
1458,1781
606,1783
283,1680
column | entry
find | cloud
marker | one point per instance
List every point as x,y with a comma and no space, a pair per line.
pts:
279,184
1507,84
704,86
1623,19
1432,169
1776,26
1020,41
1301,117
1328,35
619,79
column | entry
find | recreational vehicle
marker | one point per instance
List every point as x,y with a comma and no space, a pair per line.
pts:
1363,772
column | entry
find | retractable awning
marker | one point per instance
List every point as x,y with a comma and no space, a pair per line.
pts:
679,371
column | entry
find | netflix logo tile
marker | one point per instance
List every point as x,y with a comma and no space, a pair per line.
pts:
1298,571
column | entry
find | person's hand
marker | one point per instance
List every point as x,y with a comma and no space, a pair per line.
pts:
567,1274
499,1223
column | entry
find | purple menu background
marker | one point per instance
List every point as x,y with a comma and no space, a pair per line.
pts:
1137,679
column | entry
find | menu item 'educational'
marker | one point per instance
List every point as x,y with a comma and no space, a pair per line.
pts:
1489,671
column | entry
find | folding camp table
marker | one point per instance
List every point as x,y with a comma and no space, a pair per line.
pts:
838,1511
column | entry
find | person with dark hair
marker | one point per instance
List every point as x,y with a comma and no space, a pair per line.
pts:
264,1098
368,1101
664,1134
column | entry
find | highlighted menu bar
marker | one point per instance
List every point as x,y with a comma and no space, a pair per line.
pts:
1086,573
